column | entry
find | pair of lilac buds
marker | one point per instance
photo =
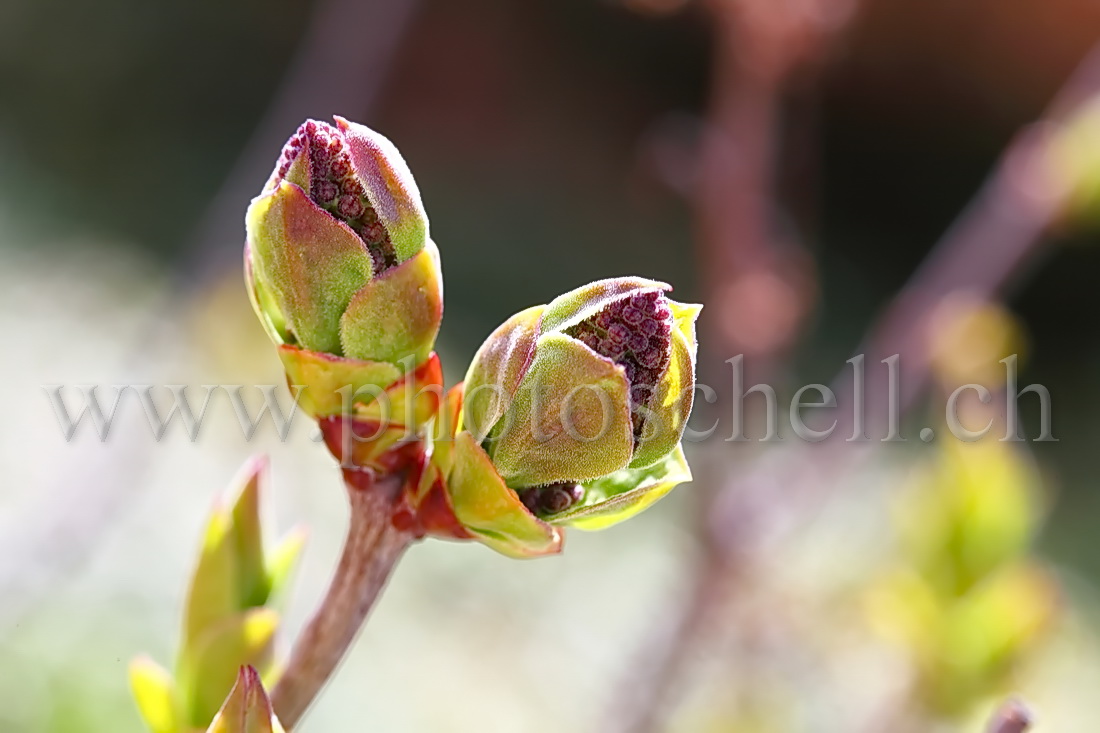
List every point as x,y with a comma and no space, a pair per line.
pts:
572,413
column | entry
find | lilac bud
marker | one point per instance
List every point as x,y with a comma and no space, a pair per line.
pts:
338,256
549,411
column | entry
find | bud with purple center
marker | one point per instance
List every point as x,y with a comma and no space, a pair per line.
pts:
572,413
577,409
338,257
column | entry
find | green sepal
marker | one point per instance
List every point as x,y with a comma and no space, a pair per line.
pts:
247,709
310,263
263,303
154,692
300,171
586,301
389,185
324,375
569,420
396,316
497,370
207,669
670,407
448,422
684,316
491,511
625,493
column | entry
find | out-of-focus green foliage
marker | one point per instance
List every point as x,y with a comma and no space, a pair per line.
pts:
965,599
972,512
227,621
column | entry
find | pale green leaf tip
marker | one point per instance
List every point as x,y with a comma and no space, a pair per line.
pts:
250,476
283,560
154,692
251,575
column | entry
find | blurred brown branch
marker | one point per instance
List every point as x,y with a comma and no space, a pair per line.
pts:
759,283
996,236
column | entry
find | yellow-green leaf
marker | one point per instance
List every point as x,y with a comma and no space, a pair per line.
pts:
207,672
155,694
492,511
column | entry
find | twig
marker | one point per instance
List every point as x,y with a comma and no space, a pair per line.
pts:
371,551
991,242
758,284
757,281
998,235
1013,717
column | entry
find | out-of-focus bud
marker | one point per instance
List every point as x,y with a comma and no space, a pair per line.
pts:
973,510
573,414
228,620
1074,162
338,258
247,709
965,599
967,339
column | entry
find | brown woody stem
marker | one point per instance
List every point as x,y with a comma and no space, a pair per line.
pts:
371,551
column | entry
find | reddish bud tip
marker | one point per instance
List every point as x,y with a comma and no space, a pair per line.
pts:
334,186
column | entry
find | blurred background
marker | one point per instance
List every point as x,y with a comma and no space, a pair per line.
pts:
788,163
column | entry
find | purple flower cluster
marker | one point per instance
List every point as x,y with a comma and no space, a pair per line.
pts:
634,332
335,187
